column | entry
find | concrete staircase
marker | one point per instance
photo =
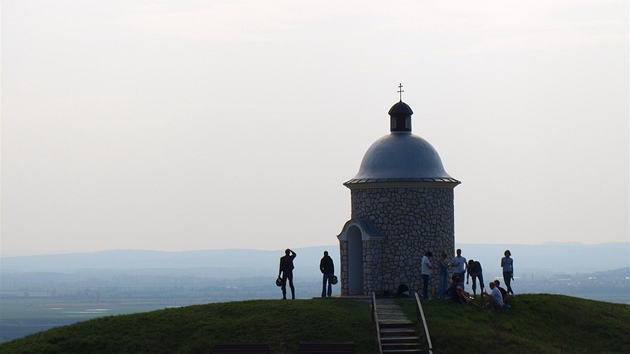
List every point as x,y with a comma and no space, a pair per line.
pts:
398,334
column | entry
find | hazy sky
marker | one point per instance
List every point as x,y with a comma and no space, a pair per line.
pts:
184,125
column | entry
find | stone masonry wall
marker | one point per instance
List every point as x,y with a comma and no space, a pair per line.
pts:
414,220
343,269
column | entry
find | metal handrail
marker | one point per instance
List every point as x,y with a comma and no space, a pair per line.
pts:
420,314
375,319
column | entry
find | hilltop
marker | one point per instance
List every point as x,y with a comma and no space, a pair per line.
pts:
535,324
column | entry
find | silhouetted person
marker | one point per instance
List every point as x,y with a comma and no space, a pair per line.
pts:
427,267
508,270
504,293
403,290
457,294
444,264
459,266
327,267
286,269
495,300
475,271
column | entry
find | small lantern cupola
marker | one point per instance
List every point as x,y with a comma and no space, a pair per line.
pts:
400,115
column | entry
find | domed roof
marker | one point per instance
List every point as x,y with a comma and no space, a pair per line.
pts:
400,109
401,156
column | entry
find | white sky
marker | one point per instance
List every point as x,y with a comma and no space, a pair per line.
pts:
184,125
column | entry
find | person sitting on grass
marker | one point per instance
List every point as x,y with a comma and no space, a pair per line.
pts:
495,300
504,293
457,294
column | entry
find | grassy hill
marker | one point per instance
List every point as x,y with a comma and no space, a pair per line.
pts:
535,324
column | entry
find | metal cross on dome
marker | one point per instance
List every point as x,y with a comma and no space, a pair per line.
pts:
400,90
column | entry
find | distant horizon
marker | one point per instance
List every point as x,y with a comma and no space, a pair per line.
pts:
3,255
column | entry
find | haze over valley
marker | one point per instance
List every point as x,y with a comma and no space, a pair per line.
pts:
40,292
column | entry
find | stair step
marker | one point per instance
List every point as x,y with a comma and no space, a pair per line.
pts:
402,350
386,314
407,342
398,334
405,329
385,335
389,310
394,320
400,346
405,333
413,339
396,324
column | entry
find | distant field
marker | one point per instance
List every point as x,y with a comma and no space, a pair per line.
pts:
616,297
18,319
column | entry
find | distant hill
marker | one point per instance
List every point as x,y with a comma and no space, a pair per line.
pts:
551,258
250,262
534,324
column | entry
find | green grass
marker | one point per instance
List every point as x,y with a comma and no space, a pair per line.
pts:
195,329
534,324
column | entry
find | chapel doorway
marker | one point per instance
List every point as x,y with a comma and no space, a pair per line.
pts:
355,261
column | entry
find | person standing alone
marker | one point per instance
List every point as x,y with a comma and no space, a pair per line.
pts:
327,267
507,263
426,274
286,269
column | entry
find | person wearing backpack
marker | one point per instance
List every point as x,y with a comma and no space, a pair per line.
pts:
327,267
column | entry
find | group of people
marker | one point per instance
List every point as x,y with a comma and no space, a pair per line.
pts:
496,298
326,266
468,269
456,292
